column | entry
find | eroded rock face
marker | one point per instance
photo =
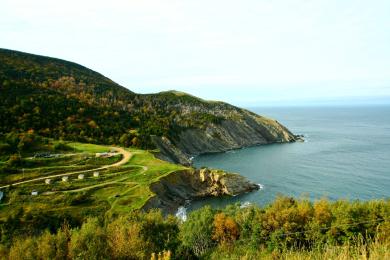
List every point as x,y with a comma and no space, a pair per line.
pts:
174,189
243,129
219,183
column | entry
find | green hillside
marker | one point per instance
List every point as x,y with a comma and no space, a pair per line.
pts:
64,100
121,186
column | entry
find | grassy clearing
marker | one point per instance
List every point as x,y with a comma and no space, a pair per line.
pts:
90,148
119,189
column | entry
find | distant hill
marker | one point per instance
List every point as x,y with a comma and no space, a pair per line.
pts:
64,100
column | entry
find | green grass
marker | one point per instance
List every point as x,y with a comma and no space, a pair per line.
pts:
39,167
90,148
116,190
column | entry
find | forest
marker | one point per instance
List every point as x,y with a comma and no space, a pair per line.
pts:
288,228
64,100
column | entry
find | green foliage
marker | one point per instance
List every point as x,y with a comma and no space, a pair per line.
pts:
61,146
63,100
89,242
14,160
287,228
20,142
196,232
5,148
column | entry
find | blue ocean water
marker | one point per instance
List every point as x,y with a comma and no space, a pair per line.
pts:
346,155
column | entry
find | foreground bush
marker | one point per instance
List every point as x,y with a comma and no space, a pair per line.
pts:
286,229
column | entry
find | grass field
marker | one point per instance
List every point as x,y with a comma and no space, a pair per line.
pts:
116,189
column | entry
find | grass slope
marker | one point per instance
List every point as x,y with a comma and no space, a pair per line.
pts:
117,189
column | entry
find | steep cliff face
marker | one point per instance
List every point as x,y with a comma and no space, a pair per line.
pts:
238,129
174,189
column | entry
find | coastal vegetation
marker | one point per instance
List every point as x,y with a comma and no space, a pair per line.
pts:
286,229
102,217
81,178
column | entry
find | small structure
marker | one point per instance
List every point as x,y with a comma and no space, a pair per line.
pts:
44,155
96,174
102,155
65,178
106,155
34,193
48,181
81,177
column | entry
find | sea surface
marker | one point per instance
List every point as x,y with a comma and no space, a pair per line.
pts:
346,155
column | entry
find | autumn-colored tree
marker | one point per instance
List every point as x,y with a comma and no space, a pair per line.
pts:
23,248
124,239
165,255
226,230
322,212
92,124
46,246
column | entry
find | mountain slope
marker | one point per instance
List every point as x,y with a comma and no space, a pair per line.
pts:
65,100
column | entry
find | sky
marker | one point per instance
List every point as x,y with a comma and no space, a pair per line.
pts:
246,52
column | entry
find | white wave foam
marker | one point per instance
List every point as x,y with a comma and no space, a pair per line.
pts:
261,186
181,213
245,205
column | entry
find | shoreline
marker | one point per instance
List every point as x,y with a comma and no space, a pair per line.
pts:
181,187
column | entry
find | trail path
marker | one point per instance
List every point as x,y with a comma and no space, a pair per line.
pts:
126,157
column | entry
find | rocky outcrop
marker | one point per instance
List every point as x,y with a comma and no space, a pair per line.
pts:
169,152
241,129
175,189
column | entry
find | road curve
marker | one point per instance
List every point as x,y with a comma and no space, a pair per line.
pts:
126,157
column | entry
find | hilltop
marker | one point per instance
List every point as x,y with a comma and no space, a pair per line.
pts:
64,100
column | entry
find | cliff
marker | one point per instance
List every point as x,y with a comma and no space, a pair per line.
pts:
239,128
64,100
176,188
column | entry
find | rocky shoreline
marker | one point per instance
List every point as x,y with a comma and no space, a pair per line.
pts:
215,138
173,190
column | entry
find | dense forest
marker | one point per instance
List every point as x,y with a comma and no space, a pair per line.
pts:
283,229
64,100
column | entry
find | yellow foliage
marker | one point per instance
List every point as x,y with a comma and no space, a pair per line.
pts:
225,229
322,212
165,255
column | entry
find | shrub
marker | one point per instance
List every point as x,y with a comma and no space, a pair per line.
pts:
61,146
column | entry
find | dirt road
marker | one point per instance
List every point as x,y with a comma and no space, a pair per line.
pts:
125,154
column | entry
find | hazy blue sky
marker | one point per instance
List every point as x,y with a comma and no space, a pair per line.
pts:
248,52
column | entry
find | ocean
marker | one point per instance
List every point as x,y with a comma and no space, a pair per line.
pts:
346,155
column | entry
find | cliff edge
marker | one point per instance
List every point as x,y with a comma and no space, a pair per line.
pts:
175,189
237,128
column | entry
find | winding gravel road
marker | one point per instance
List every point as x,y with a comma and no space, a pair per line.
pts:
126,157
